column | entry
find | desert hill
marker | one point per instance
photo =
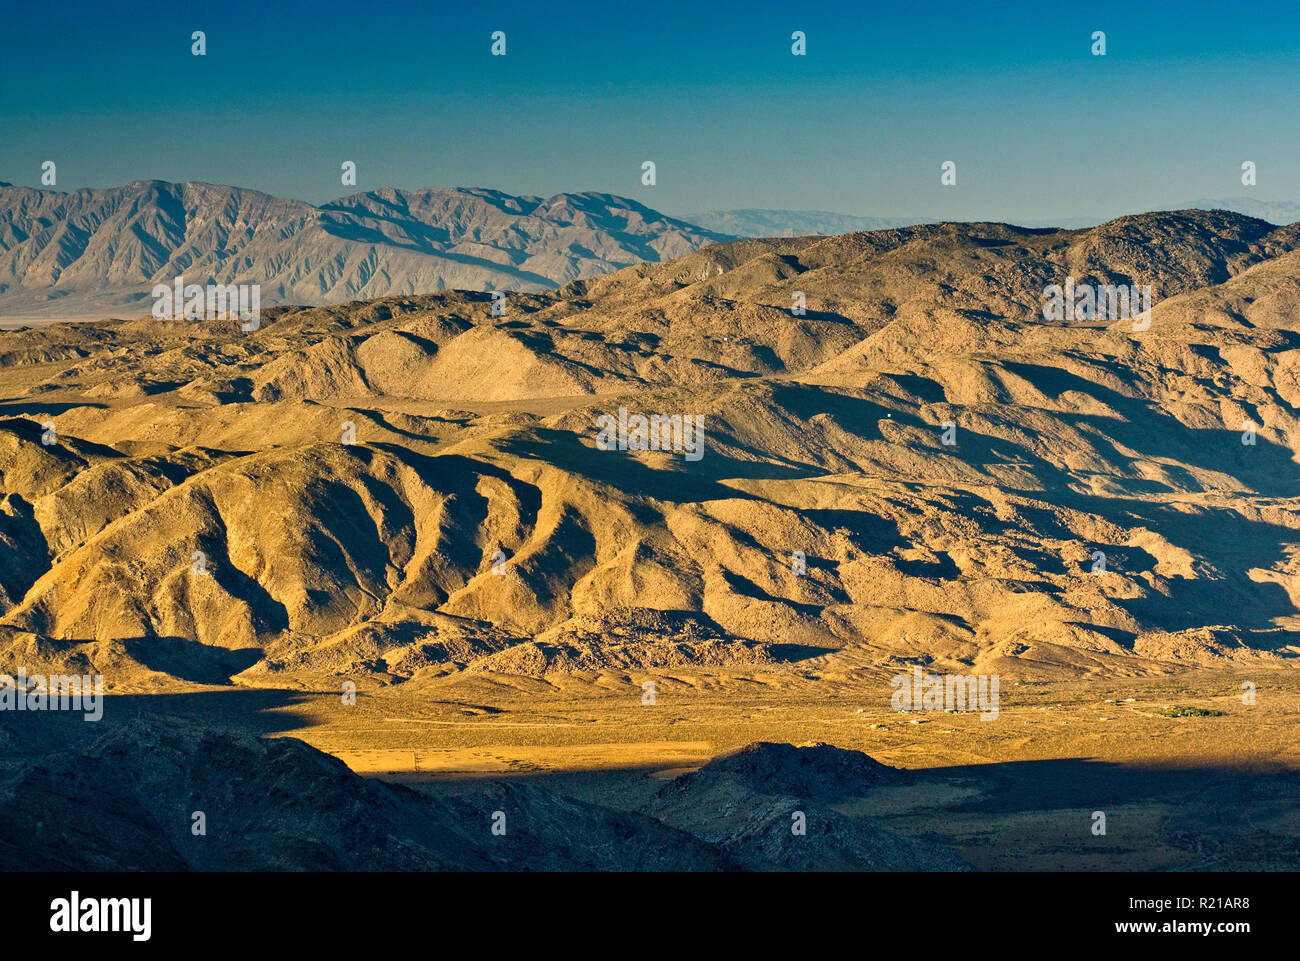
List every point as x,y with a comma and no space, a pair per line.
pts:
409,487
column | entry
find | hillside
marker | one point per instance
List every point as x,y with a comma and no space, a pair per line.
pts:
475,451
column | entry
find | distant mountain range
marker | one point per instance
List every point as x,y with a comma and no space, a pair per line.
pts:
807,223
100,251
1274,211
791,223
804,223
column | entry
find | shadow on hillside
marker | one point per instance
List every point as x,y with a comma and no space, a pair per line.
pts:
459,476
257,712
1035,815
381,418
1015,787
189,660
31,408
24,549
1265,467
1025,815
1039,815
684,481
1232,544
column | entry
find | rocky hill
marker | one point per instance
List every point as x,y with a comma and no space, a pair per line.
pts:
918,465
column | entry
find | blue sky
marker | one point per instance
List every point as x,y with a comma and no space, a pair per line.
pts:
1038,127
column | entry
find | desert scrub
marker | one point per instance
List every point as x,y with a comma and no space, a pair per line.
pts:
1183,711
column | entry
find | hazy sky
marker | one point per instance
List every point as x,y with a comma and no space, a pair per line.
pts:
1039,127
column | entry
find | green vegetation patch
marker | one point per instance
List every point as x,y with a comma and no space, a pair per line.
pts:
1184,711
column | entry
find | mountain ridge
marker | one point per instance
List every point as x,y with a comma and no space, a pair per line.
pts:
102,250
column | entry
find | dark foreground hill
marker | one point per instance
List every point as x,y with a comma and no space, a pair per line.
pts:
169,795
